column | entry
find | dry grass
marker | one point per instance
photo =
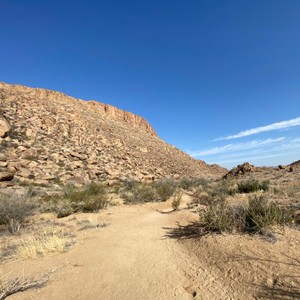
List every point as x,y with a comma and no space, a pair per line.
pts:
39,244
35,246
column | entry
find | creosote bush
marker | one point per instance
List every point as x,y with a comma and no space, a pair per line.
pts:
139,192
189,184
257,216
14,211
165,189
251,186
90,198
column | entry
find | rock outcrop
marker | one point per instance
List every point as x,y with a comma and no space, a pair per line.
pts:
48,137
241,170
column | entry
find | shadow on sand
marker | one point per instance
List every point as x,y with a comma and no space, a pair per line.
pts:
190,231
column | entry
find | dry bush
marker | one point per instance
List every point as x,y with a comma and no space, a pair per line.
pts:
177,200
14,211
20,284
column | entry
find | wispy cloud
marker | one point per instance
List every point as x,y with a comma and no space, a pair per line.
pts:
286,151
236,147
271,127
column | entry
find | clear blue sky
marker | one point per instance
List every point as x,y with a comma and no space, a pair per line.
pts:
197,70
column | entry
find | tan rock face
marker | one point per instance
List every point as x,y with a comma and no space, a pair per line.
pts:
54,137
4,127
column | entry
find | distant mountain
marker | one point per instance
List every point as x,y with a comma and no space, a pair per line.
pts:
48,137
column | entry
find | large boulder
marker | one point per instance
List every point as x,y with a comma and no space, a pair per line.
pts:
4,127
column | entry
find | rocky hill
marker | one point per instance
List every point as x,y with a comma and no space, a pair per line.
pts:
48,137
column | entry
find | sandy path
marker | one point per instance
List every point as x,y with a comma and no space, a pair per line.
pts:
135,258
129,259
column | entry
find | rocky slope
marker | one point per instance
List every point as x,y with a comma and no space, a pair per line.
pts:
48,137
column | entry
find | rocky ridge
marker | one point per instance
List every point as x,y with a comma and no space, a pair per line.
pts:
48,137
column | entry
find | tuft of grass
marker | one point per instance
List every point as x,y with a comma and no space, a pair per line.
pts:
35,246
14,211
41,243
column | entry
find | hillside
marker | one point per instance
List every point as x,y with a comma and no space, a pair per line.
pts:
48,137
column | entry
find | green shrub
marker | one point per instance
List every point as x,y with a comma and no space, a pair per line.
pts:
189,184
165,189
140,193
90,198
217,217
14,210
257,216
252,185
262,213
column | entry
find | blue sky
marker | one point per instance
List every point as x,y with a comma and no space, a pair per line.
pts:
201,72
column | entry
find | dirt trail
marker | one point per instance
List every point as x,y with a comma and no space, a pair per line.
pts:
133,258
129,259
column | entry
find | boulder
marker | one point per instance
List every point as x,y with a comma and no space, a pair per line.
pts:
5,176
4,128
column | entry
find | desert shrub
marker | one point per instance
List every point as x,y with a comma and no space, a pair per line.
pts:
177,200
209,195
262,213
257,216
90,198
217,217
140,193
129,184
189,184
253,185
165,189
14,210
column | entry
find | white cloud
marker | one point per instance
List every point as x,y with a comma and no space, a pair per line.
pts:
271,127
287,152
236,147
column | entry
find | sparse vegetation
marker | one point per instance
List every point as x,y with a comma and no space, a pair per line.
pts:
140,193
90,198
252,185
262,213
165,189
19,284
189,184
177,200
40,244
14,211
257,216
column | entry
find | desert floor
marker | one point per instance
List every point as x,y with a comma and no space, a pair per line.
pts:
144,252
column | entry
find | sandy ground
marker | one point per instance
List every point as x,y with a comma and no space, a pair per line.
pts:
142,255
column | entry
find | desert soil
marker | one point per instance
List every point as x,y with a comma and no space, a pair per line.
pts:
141,255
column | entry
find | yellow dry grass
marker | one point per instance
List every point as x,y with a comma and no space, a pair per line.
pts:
34,246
